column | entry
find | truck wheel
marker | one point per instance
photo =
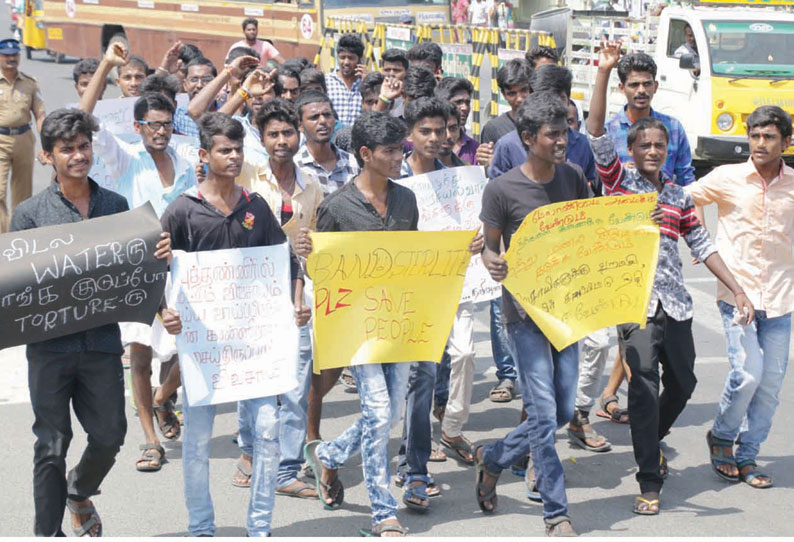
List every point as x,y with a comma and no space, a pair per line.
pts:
28,52
59,58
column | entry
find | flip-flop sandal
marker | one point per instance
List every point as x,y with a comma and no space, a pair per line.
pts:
616,415
299,492
752,475
520,468
245,472
720,458
491,496
323,489
459,448
645,510
503,392
416,492
380,528
89,524
531,481
151,452
437,455
579,438
432,487
171,423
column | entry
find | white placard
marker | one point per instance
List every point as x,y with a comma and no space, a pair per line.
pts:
450,199
239,339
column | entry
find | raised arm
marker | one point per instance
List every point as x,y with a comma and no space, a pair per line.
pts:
257,84
198,105
608,57
115,56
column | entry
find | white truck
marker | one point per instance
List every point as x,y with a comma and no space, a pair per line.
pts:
743,58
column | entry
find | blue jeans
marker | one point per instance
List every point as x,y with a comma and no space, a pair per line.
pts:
759,356
417,436
548,389
381,391
292,417
262,415
503,356
441,392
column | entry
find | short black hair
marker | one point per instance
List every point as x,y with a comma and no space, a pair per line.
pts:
278,109
419,82
288,71
513,72
541,51
86,66
538,109
449,86
151,101
66,124
241,51
422,108
371,84
427,51
298,64
311,97
374,130
188,53
394,55
201,61
163,83
313,76
216,123
350,43
250,20
136,61
770,114
551,77
636,62
643,124
451,110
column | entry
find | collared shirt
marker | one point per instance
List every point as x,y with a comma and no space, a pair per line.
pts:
51,208
346,102
196,225
255,152
344,170
305,199
509,152
184,124
407,171
138,178
755,232
468,148
19,100
348,209
678,166
679,221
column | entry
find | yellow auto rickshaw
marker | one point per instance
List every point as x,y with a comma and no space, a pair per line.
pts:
33,36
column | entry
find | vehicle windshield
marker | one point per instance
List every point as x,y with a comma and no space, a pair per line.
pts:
751,48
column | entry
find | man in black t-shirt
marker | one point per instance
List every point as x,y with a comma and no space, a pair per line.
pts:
547,377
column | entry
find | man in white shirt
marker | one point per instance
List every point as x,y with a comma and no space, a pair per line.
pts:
480,12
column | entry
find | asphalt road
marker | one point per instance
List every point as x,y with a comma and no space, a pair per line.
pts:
601,488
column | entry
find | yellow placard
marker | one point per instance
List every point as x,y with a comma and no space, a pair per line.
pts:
580,266
384,297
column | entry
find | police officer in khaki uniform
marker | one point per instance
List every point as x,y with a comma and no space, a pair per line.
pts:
19,97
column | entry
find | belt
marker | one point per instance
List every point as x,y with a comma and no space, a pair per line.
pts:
14,131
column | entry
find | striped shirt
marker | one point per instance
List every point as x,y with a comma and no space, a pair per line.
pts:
679,221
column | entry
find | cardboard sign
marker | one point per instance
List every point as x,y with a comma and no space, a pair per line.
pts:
583,265
59,280
385,297
450,200
239,339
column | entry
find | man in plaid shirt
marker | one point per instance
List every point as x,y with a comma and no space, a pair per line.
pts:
667,337
344,82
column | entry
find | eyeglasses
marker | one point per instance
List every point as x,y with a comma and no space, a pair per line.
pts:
157,126
204,80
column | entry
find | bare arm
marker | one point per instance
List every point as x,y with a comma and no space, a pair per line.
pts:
258,83
199,105
116,55
170,62
608,57
492,256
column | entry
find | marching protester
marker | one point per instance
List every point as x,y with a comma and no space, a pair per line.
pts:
20,98
754,202
82,369
343,84
131,75
264,48
215,216
667,338
82,73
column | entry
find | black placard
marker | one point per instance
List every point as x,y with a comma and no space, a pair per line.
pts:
63,279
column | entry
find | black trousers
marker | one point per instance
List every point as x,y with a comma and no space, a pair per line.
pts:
667,342
94,383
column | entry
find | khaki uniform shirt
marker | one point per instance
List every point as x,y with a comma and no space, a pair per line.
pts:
19,100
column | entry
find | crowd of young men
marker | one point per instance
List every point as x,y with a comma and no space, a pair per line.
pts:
302,151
